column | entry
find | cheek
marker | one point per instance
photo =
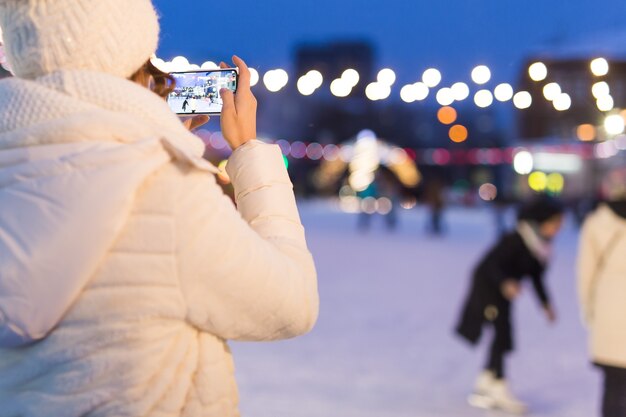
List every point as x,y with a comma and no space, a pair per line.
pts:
555,229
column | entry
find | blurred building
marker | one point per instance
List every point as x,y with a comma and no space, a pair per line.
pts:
575,126
593,95
333,58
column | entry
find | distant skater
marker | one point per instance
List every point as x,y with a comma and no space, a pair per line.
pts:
435,199
496,283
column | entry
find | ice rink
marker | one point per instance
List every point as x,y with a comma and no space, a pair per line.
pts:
201,106
384,347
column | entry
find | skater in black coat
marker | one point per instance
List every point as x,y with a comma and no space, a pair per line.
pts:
496,282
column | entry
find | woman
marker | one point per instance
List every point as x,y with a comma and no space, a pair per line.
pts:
602,286
496,284
123,267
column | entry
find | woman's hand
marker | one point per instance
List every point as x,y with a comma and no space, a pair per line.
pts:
239,112
511,289
550,313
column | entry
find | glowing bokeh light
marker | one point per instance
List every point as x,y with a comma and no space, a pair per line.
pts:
179,63
315,77
445,97
314,151
305,87
447,115
599,67
481,74
209,65
605,103
555,183
407,93
386,76
551,91
377,91
385,206
275,80
365,161
460,91
606,149
483,98
523,162
369,205
458,133
285,146
431,77
538,71
538,181
365,134
522,100
157,62
371,92
614,124
488,192
414,92
254,77
298,150
601,89
351,76
562,102
421,91
503,92
217,141
331,152
340,88
586,132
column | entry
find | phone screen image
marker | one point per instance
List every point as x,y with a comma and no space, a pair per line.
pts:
198,92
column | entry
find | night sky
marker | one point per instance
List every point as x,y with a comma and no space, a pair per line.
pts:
409,35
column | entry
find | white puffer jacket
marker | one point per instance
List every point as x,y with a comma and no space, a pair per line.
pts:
123,266
602,285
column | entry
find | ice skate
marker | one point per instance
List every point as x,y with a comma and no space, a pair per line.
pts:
484,382
481,397
504,400
491,393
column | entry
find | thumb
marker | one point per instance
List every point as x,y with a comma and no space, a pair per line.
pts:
228,99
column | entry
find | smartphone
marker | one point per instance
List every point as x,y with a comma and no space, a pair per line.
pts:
198,92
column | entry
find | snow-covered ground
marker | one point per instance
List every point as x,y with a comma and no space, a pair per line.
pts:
384,346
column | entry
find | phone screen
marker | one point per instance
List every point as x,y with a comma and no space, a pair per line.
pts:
198,92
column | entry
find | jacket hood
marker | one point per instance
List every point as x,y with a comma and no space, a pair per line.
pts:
68,177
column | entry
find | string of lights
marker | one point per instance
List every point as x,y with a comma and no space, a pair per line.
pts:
429,85
521,158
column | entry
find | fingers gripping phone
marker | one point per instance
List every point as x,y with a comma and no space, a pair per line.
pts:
198,92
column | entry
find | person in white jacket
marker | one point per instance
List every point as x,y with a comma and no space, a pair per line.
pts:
124,269
602,287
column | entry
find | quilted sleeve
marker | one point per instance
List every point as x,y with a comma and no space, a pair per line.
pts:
246,273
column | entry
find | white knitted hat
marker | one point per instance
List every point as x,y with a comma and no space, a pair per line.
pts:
112,36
